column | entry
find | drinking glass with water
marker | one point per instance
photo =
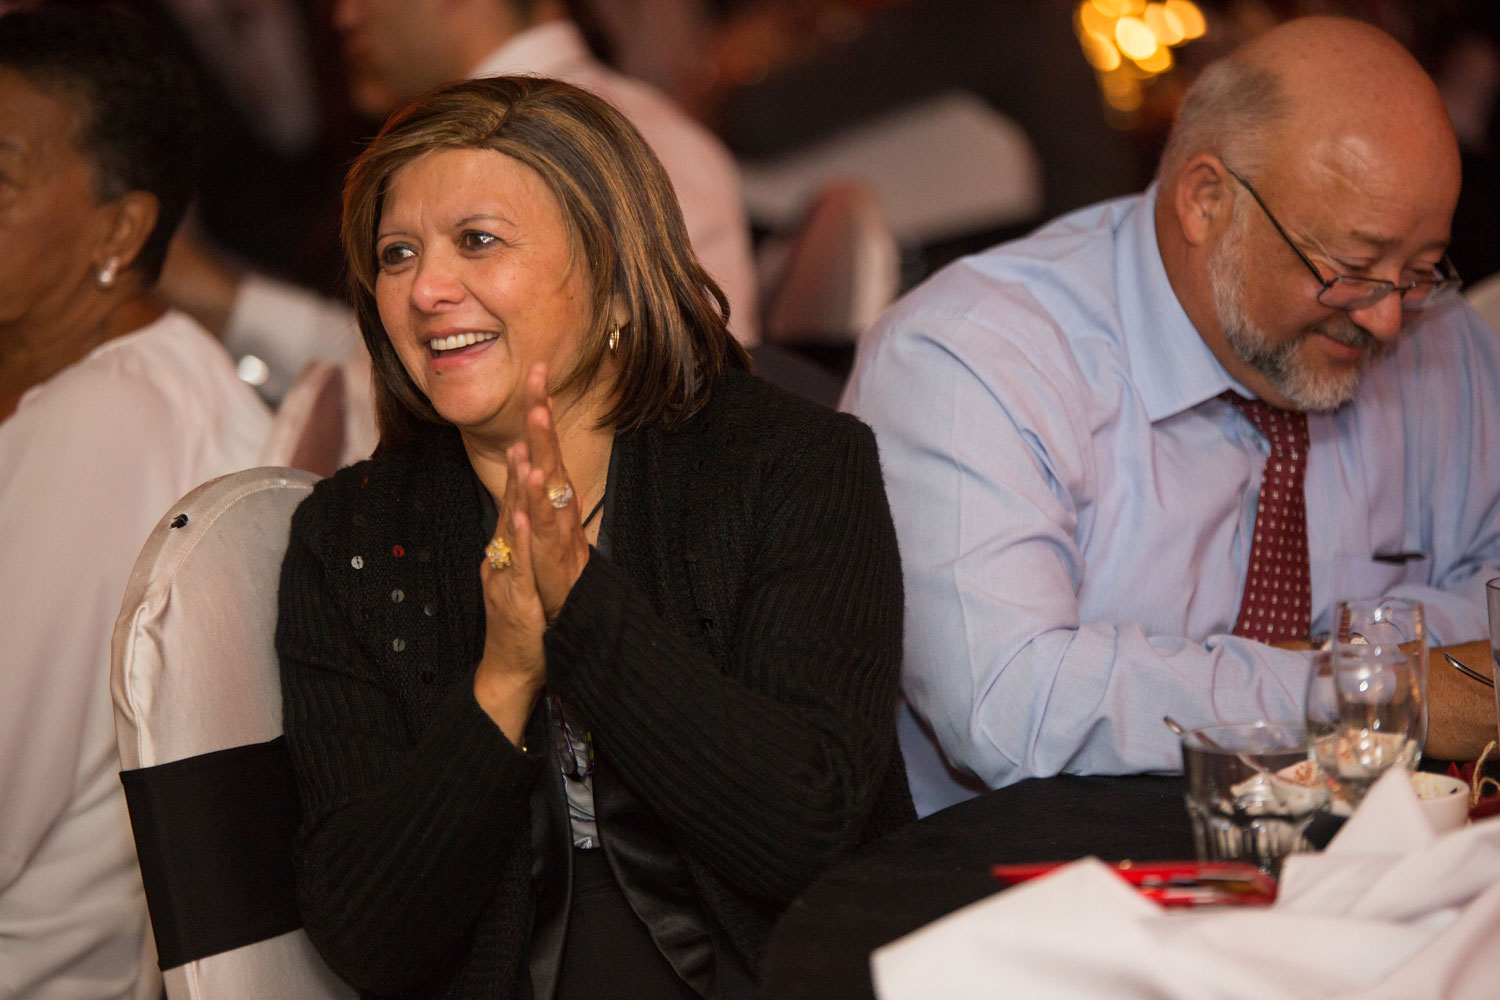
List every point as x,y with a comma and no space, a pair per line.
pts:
1367,695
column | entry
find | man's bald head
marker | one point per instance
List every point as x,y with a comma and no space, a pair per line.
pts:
1343,136
1310,89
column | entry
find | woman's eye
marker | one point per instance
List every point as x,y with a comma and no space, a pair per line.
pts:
474,239
394,255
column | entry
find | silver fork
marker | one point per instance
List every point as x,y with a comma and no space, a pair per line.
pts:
1468,671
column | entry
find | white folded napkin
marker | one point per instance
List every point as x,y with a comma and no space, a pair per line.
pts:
1390,911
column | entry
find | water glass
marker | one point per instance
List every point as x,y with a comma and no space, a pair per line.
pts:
1251,792
1365,714
1393,627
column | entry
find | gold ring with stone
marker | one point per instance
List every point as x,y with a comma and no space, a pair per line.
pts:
560,496
499,553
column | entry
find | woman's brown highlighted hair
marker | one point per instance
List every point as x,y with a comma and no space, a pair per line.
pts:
624,226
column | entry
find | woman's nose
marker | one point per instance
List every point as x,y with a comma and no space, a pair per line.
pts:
436,284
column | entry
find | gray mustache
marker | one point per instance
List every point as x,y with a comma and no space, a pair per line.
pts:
1349,333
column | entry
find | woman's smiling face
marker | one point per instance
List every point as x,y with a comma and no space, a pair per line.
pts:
476,283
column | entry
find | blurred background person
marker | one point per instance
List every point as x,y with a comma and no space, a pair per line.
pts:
278,134
111,407
593,668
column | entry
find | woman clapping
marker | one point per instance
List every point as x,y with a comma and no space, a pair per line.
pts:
593,668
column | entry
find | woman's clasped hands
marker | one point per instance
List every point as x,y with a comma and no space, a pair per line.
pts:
538,552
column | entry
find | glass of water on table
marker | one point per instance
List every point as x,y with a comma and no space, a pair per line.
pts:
1367,696
1251,791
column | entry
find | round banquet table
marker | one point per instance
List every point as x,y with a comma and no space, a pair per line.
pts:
820,949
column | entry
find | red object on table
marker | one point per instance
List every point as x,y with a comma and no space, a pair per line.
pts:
1173,883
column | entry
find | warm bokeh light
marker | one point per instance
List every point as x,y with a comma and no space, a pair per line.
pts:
1157,62
1163,24
1135,38
1189,18
1100,52
1122,91
1128,42
1092,22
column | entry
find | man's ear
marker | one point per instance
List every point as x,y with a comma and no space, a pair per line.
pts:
1202,199
128,222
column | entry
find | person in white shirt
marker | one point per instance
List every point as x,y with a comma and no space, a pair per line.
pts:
111,407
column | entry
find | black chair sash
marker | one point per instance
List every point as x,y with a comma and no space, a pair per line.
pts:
214,836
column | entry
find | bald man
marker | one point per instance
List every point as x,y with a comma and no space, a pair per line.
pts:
1094,438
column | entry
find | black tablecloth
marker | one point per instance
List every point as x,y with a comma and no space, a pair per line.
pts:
821,948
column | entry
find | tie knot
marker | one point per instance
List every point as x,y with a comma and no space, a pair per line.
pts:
1286,430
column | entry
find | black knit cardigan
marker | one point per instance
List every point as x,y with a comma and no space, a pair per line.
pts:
736,657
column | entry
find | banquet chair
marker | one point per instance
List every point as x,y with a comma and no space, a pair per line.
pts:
197,697
1485,298
841,267
307,431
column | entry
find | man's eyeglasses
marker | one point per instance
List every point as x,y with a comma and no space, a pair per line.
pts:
1343,291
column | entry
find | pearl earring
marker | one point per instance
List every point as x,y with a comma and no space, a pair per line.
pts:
106,276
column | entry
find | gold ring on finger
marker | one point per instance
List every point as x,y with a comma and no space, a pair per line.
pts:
561,495
499,553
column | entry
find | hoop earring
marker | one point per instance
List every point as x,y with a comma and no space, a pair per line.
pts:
614,340
106,275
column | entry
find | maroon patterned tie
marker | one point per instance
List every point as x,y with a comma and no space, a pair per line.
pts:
1277,593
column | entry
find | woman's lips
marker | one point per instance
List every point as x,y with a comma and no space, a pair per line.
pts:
466,346
457,341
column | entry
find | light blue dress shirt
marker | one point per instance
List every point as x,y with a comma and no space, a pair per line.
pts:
1074,504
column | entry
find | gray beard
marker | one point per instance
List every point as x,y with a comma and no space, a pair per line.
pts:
1279,363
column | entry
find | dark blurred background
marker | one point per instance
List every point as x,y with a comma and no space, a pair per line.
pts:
1075,88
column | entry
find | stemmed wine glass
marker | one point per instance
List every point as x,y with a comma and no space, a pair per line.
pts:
1367,695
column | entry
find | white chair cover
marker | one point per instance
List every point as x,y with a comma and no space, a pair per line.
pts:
308,429
194,670
944,168
842,267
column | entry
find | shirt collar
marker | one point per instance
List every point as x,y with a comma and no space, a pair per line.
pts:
547,49
1172,367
